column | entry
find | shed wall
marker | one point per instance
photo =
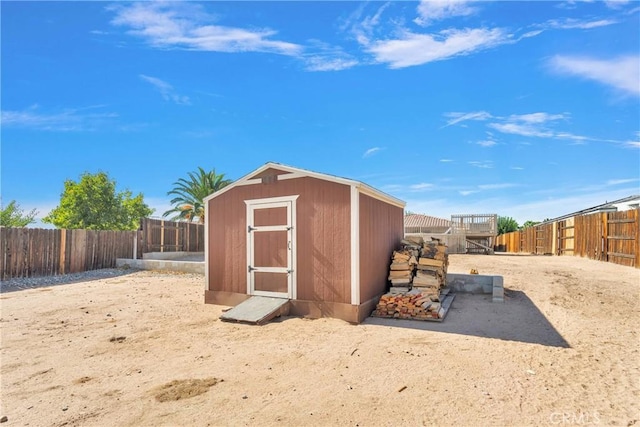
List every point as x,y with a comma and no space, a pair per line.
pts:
323,237
381,229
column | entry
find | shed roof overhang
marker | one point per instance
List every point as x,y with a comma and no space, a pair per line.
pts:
289,172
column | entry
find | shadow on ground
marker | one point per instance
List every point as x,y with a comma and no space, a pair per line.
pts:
517,319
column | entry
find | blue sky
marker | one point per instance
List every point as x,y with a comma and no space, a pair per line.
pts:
525,109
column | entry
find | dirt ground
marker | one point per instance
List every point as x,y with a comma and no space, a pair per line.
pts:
143,349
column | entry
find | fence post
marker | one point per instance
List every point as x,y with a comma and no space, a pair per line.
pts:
162,236
604,256
135,245
63,250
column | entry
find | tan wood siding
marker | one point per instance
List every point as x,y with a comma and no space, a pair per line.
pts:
381,229
322,230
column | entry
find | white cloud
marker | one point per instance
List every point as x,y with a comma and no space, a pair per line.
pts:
325,57
534,124
616,4
520,129
537,117
621,73
364,29
576,138
455,117
516,168
166,90
485,164
445,160
67,120
412,49
496,186
538,125
486,187
435,10
633,144
371,151
323,63
421,187
621,181
486,143
532,33
185,25
570,24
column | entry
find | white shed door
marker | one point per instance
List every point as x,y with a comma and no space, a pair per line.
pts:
270,248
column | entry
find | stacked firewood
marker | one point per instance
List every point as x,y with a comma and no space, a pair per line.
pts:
417,274
413,304
431,272
403,265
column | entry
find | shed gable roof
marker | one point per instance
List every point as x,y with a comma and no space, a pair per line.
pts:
268,172
425,221
290,172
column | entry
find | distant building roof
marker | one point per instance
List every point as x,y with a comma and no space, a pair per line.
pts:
425,221
599,208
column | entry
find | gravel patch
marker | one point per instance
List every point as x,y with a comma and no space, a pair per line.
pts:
17,284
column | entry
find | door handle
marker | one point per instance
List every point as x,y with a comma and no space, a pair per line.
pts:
289,245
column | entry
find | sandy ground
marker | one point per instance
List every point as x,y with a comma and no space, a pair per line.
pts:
562,350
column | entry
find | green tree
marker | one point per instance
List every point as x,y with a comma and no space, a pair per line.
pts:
528,224
189,194
94,204
13,216
506,224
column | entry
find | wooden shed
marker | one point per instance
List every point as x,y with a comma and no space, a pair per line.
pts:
321,241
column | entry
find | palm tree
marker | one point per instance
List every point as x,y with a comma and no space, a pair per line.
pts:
190,193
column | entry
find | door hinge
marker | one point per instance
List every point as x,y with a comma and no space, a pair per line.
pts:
289,271
290,228
250,269
250,229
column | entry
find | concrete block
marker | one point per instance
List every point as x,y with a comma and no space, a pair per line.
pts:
498,289
477,284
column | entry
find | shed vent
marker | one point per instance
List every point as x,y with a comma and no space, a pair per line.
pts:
269,179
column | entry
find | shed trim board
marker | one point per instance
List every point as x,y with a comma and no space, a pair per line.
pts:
206,248
288,202
293,172
355,246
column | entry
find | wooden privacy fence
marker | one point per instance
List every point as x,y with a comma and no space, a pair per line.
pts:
170,236
27,252
610,236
